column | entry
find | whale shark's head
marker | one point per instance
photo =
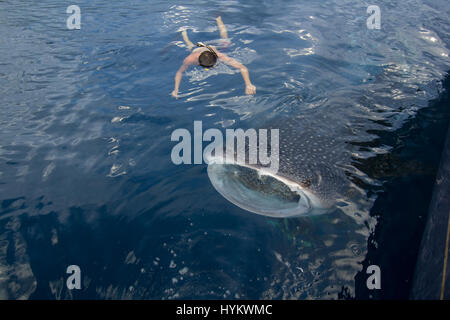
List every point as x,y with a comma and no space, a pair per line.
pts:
260,191
306,178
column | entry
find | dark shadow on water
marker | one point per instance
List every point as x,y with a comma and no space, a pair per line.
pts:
408,173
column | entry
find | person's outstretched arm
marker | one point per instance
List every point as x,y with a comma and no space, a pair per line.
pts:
249,87
178,77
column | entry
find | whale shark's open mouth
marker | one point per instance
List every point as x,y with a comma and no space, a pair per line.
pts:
260,191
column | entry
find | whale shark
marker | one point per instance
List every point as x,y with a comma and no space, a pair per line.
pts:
309,180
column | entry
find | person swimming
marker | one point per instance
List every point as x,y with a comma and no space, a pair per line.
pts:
207,57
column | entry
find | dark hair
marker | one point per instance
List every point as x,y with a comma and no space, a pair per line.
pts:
207,59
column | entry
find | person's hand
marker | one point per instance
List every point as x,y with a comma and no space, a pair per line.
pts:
250,89
175,94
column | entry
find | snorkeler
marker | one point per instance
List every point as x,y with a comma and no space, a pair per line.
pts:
207,56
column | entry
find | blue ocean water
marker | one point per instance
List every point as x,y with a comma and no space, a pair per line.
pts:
86,116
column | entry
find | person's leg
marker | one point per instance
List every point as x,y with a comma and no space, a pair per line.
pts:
222,29
189,44
225,42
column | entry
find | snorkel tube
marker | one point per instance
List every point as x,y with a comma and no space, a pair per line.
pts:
201,44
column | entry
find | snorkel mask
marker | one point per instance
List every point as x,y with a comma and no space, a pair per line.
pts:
201,44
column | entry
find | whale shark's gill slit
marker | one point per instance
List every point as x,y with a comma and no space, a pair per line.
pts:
259,192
